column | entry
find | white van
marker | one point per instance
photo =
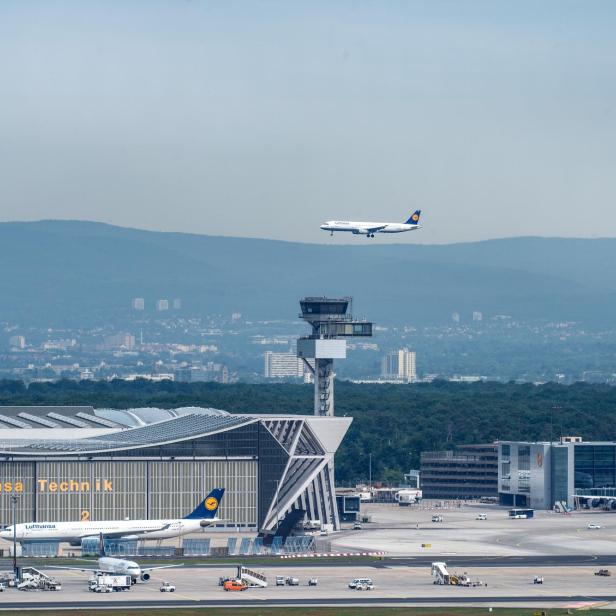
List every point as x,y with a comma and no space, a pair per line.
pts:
361,584
481,516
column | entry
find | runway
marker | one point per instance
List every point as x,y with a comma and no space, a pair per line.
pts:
351,601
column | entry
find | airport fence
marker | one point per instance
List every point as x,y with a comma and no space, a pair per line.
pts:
247,546
196,547
40,549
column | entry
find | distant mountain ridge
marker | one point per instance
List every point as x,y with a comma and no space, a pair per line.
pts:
71,272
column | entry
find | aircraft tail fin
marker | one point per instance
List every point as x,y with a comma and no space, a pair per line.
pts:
208,507
414,218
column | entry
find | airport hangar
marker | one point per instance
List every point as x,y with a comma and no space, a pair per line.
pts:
71,463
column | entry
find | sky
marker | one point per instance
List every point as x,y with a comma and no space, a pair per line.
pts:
266,118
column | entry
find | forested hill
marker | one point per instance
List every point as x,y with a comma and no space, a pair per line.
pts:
393,422
68,273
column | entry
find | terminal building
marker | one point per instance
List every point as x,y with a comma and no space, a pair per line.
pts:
80,463
547,475
470,472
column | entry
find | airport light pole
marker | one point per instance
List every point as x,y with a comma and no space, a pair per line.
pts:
370,471
14,503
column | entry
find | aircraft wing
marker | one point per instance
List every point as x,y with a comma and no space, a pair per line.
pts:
148,569
82,569
373,229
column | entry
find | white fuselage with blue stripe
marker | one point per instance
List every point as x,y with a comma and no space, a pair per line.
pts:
126,529
364,228
369,228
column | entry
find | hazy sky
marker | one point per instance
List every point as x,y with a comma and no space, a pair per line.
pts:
264,119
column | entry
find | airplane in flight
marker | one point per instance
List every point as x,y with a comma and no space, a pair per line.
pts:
117,566
73,532
370,228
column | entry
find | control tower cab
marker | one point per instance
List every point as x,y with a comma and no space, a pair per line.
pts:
331,326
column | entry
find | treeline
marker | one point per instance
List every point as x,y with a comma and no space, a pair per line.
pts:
394,423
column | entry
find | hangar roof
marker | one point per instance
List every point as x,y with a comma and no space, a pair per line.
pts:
177,428
56,431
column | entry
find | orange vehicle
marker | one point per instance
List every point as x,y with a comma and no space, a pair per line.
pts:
235,585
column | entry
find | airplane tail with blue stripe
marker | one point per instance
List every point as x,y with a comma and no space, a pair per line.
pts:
414,218
208,507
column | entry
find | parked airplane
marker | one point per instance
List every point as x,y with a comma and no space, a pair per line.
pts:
370,228
118,566
73,532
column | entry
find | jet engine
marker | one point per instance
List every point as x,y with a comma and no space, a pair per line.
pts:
145,577
613,505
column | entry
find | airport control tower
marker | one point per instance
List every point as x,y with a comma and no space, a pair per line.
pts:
331,326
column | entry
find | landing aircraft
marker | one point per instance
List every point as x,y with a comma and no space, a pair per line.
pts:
118,566
370,228
73,532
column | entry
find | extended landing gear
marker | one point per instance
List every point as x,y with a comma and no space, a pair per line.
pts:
370,235
331,234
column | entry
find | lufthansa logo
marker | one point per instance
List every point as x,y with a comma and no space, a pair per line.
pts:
415,217
211,503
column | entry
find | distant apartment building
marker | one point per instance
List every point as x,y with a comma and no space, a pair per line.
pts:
477,316
120,341
469,472
177,304
162,305
138,303
455,317
61,344
202,373
17,342
400,365
282,365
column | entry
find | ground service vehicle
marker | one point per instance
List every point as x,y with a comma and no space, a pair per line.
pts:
313,582
109,583
292,581
538,579
35,580
357,526
437,518
593,526
2,587
167,587
521,514
361,582
481,516
280,580
235,585
408,497
603,572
